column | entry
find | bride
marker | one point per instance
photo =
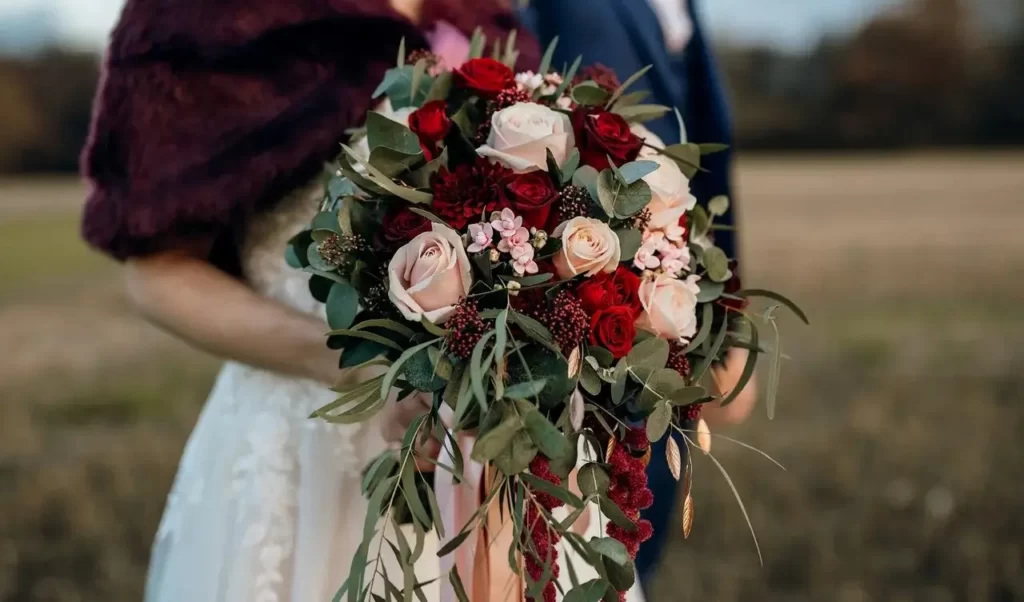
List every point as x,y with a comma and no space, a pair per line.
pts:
212,128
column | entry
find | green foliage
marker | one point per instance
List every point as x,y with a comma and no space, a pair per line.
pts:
342,305
589,94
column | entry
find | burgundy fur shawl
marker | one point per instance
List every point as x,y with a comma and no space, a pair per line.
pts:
211,110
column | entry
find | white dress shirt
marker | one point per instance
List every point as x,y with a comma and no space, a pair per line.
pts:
676,26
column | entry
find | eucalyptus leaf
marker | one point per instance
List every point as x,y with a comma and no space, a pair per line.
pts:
568,169
687,156
593,479
706,323
612,549
748,369
607,191
549,439
587,177
719,205
495,440
616,515
652,352
635,170
630,242
342,305
717,264
709,290
440,88
632,79
525,390
555,491
793,307
549,53
591,591
641,112
711,148
632,199
658,421
589,94
382,131
396,369
516,457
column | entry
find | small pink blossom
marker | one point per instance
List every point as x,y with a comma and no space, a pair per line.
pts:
507,224
518,238
481,237
646,258
522,259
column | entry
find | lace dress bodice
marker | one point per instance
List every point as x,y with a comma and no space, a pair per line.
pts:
264,242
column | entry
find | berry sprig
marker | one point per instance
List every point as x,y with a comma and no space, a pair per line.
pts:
629,490
544,540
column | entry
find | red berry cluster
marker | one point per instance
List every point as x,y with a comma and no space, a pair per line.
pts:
510,96
629,490
544,541
691,413
466,329
567,320
677,361
601,75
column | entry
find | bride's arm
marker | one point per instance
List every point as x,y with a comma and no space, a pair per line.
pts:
196,302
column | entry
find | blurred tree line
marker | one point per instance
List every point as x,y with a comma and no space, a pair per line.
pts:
922,76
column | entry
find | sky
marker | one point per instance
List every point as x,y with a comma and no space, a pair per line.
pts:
789,24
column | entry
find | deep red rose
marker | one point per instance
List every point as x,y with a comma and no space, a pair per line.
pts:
614,329
601,134
400,226
487,77
532,196
620,288
627,289
431,124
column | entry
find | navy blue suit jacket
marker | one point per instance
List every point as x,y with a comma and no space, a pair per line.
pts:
625,35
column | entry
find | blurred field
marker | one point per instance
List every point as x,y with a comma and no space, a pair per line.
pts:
899,419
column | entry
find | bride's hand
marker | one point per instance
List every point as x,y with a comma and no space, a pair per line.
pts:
726,378
399,414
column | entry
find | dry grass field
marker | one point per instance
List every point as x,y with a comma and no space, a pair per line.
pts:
900,417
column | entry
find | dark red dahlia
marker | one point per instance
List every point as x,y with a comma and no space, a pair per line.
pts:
467,328
469,193
600,75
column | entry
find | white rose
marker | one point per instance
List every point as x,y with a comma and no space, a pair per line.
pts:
429,275
670,307
522,134
649,137
670,194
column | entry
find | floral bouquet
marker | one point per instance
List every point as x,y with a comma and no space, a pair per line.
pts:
521,248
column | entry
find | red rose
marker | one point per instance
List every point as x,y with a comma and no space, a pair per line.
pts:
531,195
486,77
620,288
430,123
614,329
400,226
601,134
626,285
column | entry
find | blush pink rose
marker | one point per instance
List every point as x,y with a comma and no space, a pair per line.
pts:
428,276
670,307
589,246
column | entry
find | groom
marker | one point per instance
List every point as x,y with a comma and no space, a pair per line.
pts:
627,35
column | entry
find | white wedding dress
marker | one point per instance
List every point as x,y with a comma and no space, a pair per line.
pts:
266,506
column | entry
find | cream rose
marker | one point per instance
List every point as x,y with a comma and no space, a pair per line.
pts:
670,307
429,275
670,194
588,246
649,138
522,134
